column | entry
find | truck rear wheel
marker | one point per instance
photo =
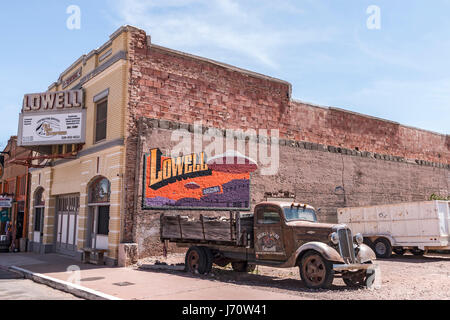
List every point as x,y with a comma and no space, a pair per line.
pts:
243,266
195,261
315,271
383,248
209,259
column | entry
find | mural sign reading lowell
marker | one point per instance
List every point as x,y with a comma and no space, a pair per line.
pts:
195,182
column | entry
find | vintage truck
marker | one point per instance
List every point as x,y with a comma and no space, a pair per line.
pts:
278,234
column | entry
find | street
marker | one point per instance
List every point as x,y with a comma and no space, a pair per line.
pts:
13,287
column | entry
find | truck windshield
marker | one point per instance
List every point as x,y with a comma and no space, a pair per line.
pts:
300,213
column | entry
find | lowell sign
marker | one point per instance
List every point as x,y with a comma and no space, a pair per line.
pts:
52,118
53,100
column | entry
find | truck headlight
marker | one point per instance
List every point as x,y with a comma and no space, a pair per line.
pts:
334,238
359,238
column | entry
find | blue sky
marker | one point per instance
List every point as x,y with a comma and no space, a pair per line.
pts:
400,72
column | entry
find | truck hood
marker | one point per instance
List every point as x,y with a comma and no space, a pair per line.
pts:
305,231
329,226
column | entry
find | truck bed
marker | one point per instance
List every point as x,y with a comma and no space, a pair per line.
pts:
234,230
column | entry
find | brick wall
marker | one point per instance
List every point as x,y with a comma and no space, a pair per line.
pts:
175,86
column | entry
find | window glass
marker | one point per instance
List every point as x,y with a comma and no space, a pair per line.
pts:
300,213
100,122
100,191
40,200
37,219
268,216
103,220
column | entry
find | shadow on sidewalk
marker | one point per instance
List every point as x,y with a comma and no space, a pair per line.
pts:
48,263
252,279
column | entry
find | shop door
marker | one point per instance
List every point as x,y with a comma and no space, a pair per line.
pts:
67,223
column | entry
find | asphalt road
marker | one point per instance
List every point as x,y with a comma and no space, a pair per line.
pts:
13,287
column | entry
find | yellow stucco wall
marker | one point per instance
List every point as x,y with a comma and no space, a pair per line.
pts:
74,176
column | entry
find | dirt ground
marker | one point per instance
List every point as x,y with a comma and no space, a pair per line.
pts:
402,278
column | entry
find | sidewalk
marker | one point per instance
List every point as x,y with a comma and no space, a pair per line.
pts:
130,283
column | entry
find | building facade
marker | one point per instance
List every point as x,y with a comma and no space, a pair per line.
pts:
14,185
137,94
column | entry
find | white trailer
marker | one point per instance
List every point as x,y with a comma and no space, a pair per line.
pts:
415,226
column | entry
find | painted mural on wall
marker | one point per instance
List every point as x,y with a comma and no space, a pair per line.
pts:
195,182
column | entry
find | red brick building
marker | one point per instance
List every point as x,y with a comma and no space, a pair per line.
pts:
15,184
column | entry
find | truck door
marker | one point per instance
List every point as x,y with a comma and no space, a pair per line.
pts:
268,235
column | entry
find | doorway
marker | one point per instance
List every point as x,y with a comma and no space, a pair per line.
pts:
67,208
39,215
98,218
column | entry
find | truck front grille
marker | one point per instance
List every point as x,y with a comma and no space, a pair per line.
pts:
346,245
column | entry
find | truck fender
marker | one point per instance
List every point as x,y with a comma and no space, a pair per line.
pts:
365,254
325,250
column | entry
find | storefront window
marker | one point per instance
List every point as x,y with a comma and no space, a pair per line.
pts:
100,191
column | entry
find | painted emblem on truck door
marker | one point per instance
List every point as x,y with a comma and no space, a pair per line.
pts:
268,241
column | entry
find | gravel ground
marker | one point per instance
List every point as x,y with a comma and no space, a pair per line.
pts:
402,277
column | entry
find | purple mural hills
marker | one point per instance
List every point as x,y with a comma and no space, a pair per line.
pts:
236,194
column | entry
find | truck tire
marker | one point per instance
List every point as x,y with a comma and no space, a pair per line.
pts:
209,259
243,266
358,279
383,248
355,279
195,261
315,271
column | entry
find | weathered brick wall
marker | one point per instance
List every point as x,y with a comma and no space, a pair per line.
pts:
326,177
351,130
175,86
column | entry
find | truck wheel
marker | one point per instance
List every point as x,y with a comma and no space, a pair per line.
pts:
383,248
358,279
243,266
315,271
417,252
355,279
209,259
195,261
399,250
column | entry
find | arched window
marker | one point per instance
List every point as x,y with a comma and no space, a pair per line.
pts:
39,200
100,191
98,222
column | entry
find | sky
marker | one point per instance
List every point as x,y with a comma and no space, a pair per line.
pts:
389,61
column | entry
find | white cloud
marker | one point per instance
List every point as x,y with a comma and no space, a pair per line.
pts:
243,28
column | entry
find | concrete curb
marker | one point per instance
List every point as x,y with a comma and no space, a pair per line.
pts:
76,290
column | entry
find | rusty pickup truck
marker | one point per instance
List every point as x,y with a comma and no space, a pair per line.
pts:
277,234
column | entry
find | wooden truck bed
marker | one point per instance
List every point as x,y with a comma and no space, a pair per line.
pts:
234,230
